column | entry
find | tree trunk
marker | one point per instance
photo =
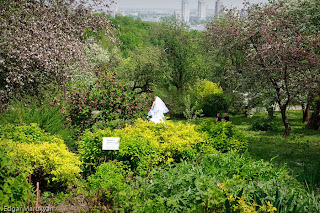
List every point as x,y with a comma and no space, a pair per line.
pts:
286,124
245,112
314,122
306,113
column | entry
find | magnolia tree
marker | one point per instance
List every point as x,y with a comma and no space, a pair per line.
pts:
281,60
39,40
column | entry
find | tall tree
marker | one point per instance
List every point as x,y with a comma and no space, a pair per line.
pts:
180,50
142,69
281,60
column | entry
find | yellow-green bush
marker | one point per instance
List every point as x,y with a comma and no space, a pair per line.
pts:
14,186
209,96
223,136
205,88
143,145
109,183
26,134
50,160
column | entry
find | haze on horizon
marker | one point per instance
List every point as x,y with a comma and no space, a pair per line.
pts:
176,4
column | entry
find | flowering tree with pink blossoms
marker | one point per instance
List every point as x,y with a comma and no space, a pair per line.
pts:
281,61
39,40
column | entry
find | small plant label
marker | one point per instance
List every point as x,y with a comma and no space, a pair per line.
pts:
110,143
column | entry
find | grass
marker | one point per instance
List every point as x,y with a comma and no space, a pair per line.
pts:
300,151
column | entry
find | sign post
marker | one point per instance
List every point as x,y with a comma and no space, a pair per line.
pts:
110,143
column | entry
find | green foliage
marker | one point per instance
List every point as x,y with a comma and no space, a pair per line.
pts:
205,185
27,134
263,124
142,145
14,187
299,152
96,54
215,103
90,149
51,162
142,69
191,112
223,136
204,88
49,118
109,181
238,204
108,98
134,33
209,96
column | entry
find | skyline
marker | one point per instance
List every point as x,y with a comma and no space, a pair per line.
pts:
176,4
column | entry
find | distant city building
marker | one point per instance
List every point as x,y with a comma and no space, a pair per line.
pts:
185,11
177,15
218,8
242,13
202,10
113,9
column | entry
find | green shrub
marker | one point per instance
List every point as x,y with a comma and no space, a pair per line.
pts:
108,181
107,96
26,134
49,118
90,149
142,145
210,97
51,163
263,124
213,104
223,136
14,187
206,184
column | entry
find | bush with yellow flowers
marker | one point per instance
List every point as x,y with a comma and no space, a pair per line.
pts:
14,185
142,145
50,161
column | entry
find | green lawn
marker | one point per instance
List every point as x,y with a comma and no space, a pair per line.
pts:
300,151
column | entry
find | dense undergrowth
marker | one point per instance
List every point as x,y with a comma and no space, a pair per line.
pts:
164,167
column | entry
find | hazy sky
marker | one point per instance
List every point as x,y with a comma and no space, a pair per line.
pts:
177,3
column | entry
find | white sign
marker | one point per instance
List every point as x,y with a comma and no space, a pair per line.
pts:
110,143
